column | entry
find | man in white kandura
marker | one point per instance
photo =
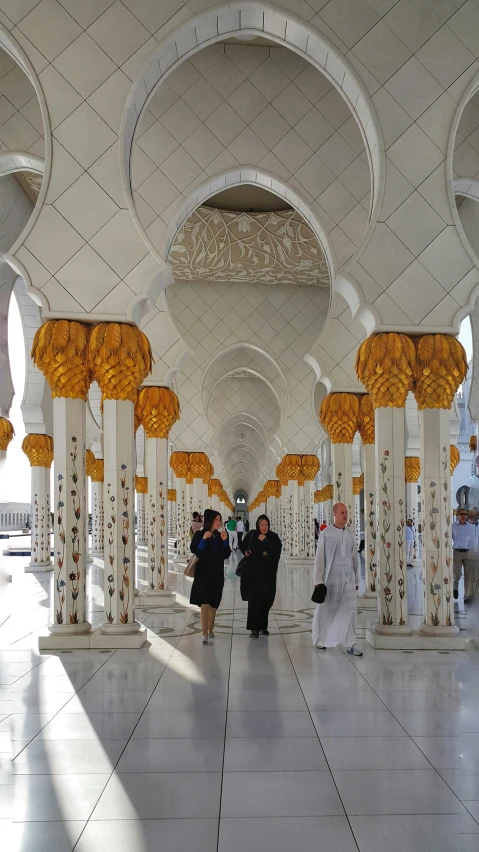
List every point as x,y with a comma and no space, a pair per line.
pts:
336,565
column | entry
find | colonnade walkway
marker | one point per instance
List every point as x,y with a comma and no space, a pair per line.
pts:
239,744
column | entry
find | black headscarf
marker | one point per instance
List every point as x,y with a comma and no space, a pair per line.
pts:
209,516
263,518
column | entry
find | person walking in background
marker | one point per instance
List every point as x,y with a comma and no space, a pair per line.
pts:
410,542
473,559
462,542
316,533
262,549
195,524
231,527
212,548
246,525
336,566
239,530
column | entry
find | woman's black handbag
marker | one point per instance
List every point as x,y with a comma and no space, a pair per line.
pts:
319,593
241,565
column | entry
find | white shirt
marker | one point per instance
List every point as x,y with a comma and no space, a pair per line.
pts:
239,526
334,544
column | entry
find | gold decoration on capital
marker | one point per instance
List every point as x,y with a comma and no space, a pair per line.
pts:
309,467
38,449
179,464
158,409
366,419
473,443
89,462
60,351
215,488
317,495
172,495
412,468
198,465
292,466
385,364
98,471
327,493
208,472
141,484
119,356
281,474
339,415
6,432
454,458
358,484
441,366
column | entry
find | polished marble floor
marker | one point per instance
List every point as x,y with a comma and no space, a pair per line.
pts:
265,744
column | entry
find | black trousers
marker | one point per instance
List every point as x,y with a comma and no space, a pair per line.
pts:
240,537
258,613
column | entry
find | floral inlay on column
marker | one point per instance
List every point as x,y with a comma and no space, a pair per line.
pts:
60,351
385,365
39,450
120,359
441,366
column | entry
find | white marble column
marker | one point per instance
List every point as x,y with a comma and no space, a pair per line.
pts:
41,521
391,546
118,496
141,515
343,479
370,522
436,514
156,469
357,519
70,539
97,517
182,537
308,496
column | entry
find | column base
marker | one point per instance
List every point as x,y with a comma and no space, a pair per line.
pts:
392,629
431,630
142,543
93,640
33,567
414,642
120,629
70,629
156,597
183,559
89,558
368,594
98,553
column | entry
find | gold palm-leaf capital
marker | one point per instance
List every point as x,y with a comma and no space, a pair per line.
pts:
119,356
339,415
38,449
454,458
60,351
441,366
385,364
412,468
157,409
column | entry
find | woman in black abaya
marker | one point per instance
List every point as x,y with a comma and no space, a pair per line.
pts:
262,549
212,548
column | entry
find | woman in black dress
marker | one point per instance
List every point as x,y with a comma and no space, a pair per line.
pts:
262,547
212,548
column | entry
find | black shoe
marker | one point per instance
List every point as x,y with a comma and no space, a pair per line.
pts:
456,594
265,632
254,634
467,600
409,565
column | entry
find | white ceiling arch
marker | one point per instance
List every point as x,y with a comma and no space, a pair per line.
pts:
246,17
